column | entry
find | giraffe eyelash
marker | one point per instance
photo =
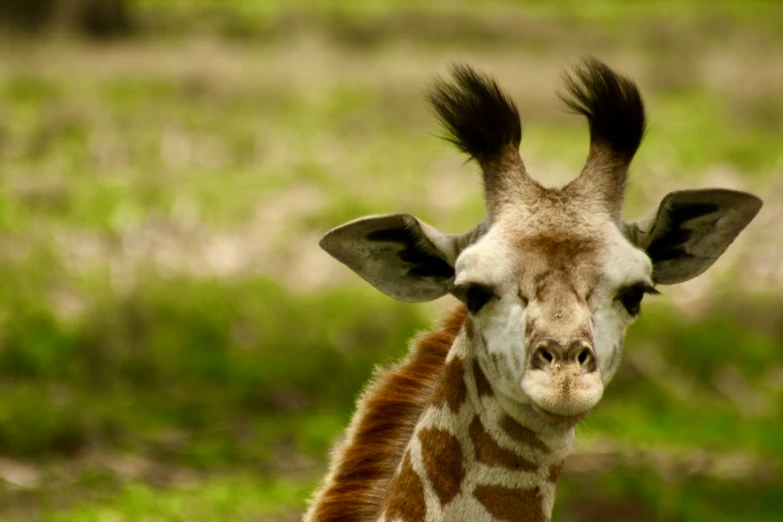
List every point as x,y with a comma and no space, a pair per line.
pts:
474,295
631,296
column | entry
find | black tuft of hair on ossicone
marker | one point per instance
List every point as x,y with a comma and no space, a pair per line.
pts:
612,105
479,118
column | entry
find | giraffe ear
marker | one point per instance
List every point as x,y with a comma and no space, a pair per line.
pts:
396,253
691,229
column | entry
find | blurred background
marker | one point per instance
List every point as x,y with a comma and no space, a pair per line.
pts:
174,345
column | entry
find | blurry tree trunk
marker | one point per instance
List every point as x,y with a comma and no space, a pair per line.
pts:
95,18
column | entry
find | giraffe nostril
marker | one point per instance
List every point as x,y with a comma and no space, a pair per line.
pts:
543,356
586,359
546,355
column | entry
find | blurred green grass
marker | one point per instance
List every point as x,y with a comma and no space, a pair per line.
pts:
174,345
199,355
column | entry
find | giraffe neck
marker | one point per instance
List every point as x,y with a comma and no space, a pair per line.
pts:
471,458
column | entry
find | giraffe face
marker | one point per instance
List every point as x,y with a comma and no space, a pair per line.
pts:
551,286
550,296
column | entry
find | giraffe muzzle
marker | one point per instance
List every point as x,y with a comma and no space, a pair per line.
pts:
562,380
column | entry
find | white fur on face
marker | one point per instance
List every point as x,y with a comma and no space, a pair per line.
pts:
623,264
499,328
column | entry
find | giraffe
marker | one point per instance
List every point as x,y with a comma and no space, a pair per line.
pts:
474,424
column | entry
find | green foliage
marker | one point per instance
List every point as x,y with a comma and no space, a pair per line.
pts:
189,354
646,494
239,498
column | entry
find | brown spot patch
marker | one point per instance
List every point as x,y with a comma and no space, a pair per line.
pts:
489,452
566,261
442,456
516,505
561,251
406,498
522,434
389,410
482,384
451,389
554,472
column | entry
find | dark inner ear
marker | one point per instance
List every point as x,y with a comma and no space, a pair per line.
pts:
691,229
397,254
671,244
417,251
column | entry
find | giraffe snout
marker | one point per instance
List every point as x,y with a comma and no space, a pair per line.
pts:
562,379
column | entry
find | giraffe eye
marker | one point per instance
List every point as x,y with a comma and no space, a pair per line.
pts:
631,297
474,295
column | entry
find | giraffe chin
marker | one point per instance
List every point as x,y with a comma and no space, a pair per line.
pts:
559,420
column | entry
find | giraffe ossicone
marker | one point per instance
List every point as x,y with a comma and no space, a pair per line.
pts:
476,422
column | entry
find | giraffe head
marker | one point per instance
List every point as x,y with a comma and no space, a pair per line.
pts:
553,277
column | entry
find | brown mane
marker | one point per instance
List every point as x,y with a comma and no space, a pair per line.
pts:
388,411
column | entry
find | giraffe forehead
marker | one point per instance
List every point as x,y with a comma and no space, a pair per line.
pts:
539,247
559,251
